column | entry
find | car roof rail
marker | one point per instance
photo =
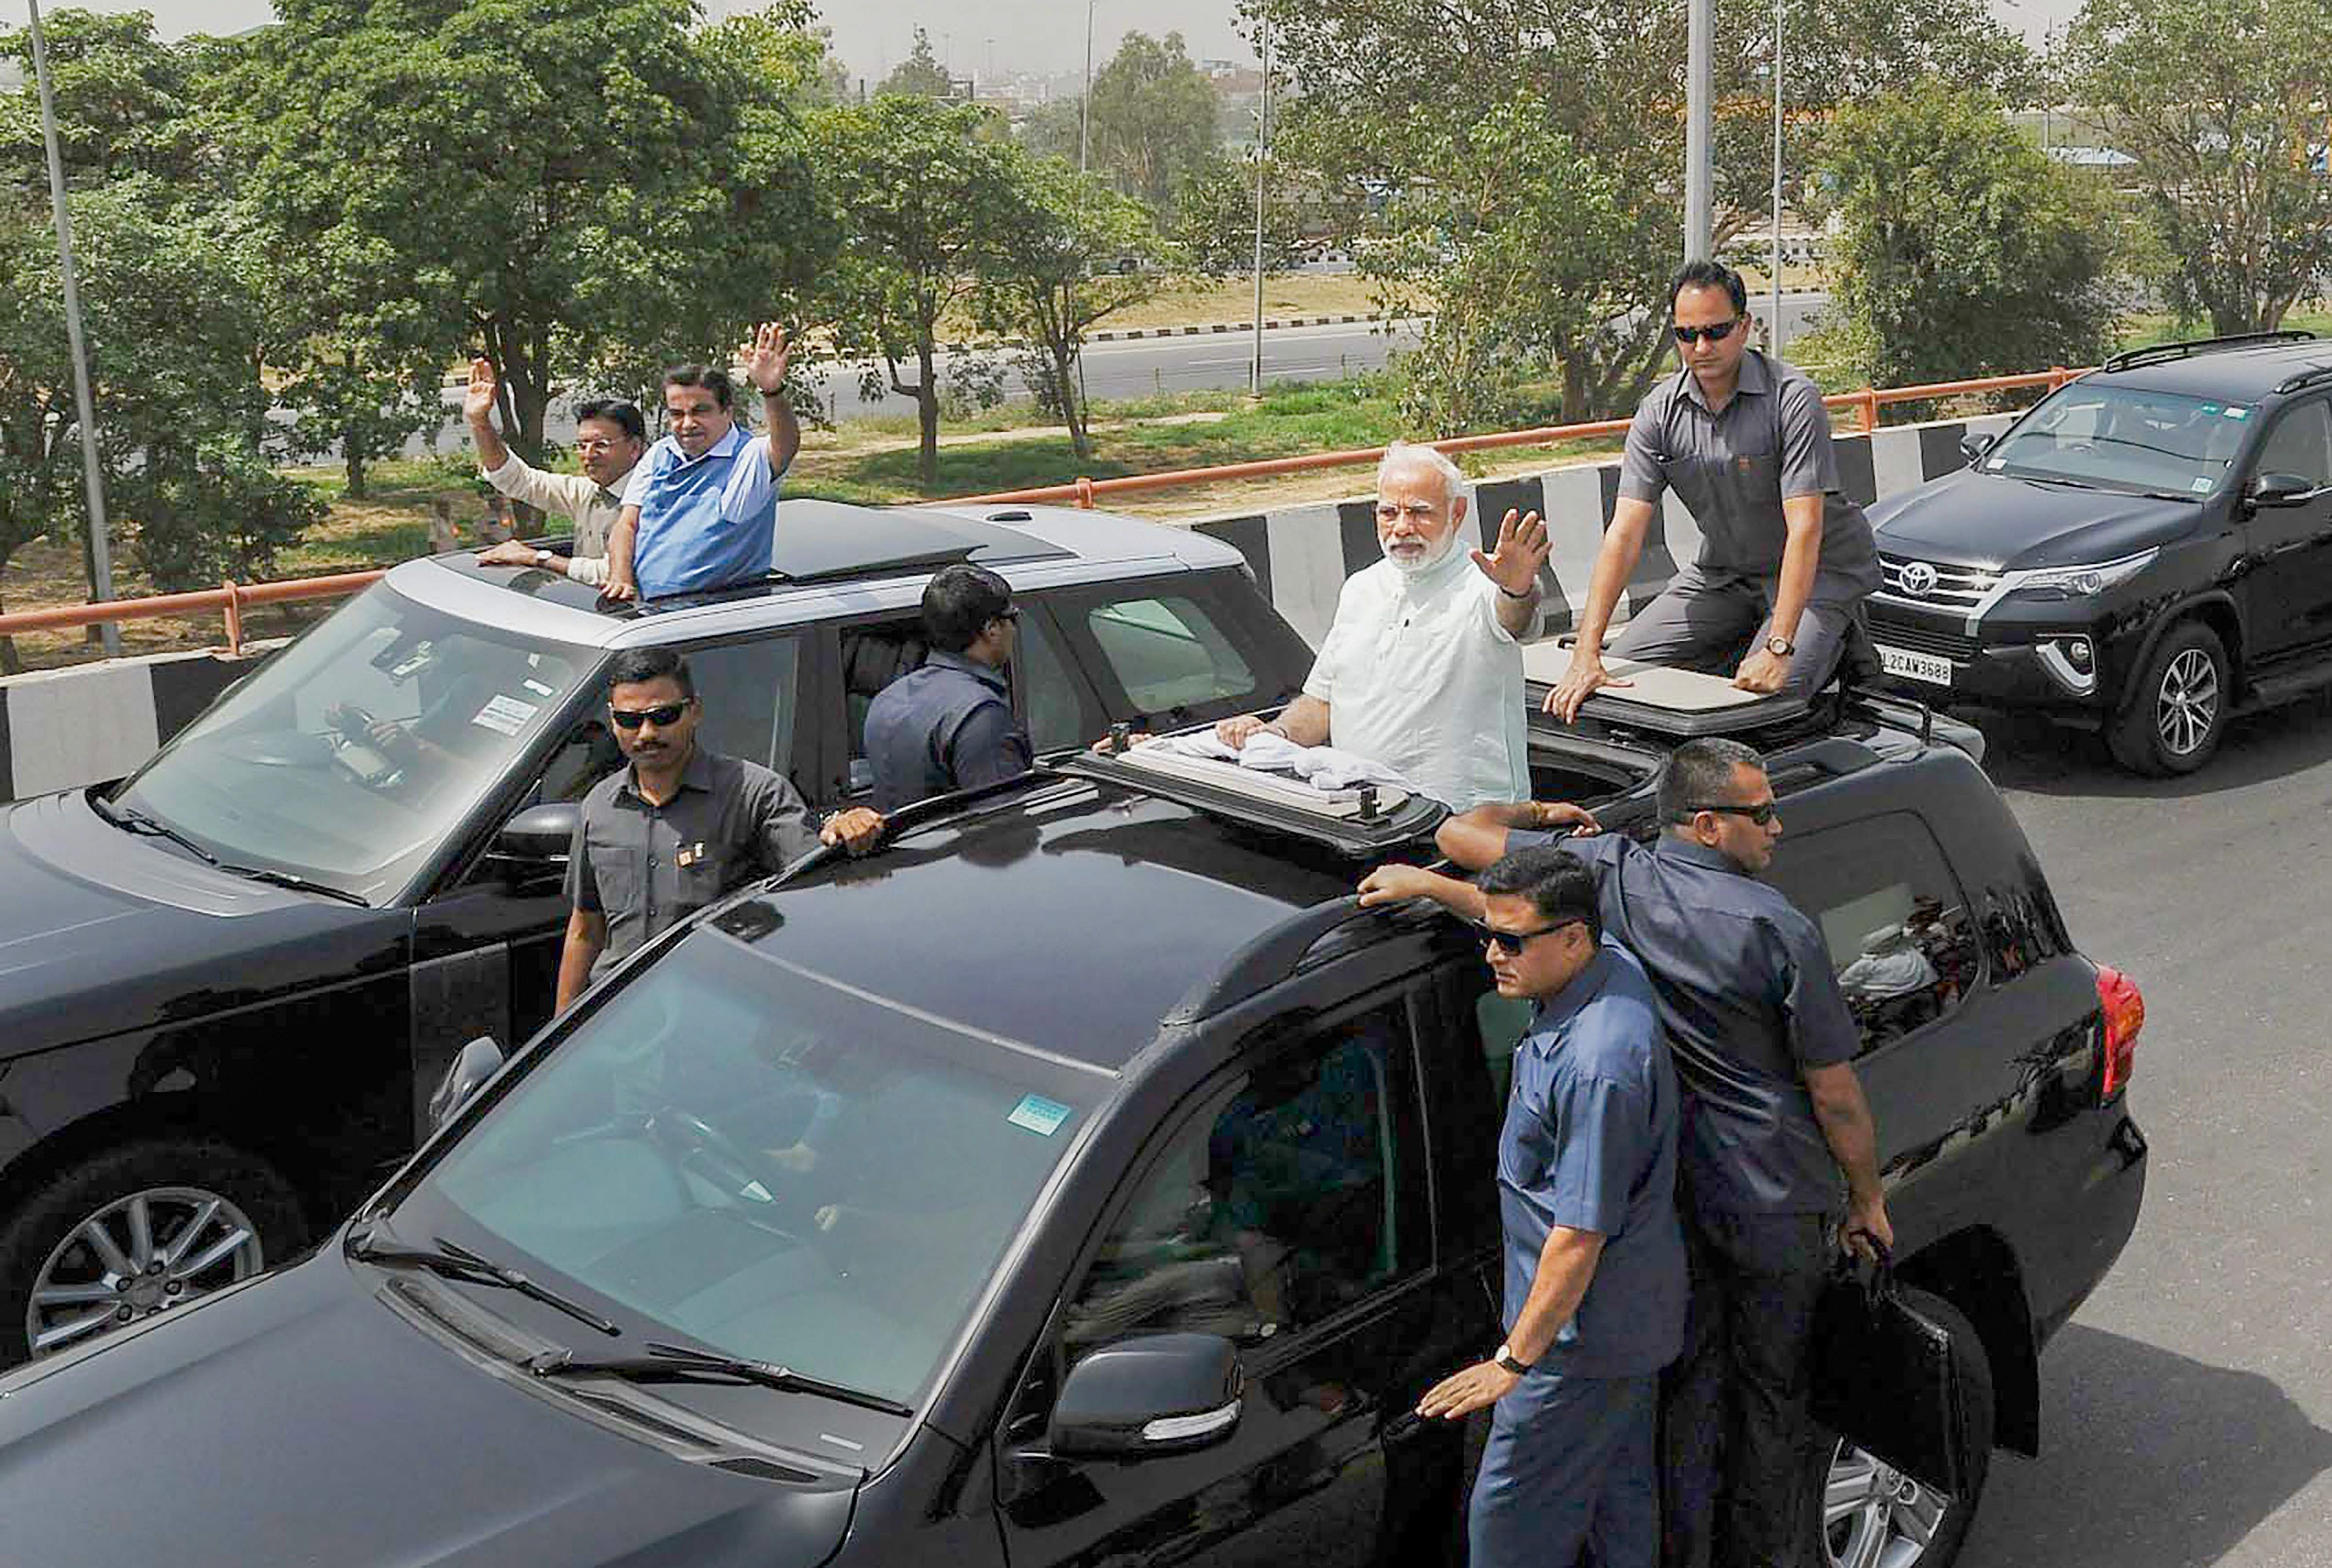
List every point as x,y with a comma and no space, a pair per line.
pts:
2314,376
1268,958
2157,353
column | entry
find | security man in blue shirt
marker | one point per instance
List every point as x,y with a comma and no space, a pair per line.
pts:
1773,1114
1594,1260
948,725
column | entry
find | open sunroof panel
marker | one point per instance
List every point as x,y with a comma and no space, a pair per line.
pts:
1361,822
1662,700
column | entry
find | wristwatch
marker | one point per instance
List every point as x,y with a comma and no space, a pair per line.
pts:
543,558
1509,1362
1781,647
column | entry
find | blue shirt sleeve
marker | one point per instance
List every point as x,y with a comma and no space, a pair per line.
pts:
986,746
1604,1145
752,483
1821,1031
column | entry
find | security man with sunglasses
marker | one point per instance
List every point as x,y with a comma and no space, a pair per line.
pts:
1773,1116
1594,1262
948,725
680,827
1785,559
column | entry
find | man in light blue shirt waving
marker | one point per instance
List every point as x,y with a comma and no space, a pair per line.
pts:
701,508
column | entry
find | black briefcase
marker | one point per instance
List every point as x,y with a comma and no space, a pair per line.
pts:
1884,1378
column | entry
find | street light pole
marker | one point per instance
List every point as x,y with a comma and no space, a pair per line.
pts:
1262,158
1085,104
1773,336
101,551
1698,193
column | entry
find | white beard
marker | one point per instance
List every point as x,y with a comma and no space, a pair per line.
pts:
1409,566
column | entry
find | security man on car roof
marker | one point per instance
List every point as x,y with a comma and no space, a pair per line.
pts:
680,827
1786,560
1594,1261
948,724
1773,1115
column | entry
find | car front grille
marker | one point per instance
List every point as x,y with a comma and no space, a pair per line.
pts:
1921,637
1929,582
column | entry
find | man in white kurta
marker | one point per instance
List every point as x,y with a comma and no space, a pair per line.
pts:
1422,670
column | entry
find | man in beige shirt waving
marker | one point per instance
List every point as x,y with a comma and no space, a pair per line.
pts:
609,438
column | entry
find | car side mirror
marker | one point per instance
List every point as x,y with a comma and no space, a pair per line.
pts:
2280,488
475,1062
1974,447
540,833
1166,1394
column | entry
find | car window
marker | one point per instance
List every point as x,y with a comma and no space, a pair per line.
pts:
1279,1206
2301,444
1056,718
2126,437
1900,936
1168,653
750,692
874,655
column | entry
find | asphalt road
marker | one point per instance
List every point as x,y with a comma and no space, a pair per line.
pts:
2188,1408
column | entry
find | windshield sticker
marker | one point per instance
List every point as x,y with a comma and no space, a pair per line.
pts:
418,661
2233,413
1997,462
2202,486
505,715
539,689
1040,1115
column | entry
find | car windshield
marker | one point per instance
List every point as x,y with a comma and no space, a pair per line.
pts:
349,756
2125,439
772,1164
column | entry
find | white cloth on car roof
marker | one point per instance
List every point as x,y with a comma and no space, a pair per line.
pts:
1324,768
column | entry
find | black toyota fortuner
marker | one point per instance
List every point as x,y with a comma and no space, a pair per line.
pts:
1084,1179
2148,551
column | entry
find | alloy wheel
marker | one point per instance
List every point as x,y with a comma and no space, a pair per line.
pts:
1874,1515
2186,707
137,1256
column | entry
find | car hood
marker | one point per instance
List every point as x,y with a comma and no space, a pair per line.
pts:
103,931
1974,519
297,1418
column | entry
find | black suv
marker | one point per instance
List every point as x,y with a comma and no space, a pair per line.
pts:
1082,1178
2148,551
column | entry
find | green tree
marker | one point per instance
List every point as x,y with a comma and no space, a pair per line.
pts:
124,103
1041,282
1055,130
920,74
553,181
2223,106
1214,217
1152,118
927,190
1963,250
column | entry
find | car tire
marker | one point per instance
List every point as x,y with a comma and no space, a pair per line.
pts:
184,1215
2175,711
1868,1514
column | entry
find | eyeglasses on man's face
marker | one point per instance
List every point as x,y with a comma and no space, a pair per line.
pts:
1512,942
1761,814
662,716
1716,332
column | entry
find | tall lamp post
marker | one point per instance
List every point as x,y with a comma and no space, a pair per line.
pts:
1262,163
1773,337
101,551
1698,183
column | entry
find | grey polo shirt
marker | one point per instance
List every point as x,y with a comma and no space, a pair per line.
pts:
1749,1001
645,866
1733,468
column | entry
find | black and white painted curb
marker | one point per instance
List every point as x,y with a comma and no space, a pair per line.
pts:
63,728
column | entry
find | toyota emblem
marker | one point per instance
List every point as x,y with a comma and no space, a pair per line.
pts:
1919,578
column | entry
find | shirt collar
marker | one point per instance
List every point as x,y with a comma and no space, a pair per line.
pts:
696,775
985,674
1674,848
1755,380
1560,1009
1437,577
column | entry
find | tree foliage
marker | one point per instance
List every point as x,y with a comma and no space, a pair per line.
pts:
1214,217
920,74
2223,106
1152,118
1963,250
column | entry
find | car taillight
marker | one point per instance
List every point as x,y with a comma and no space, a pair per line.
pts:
2125,1012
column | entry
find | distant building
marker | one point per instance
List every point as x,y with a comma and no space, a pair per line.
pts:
12,76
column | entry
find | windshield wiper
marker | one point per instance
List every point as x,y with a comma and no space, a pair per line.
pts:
296,883
678,1364
460,1263
2053,479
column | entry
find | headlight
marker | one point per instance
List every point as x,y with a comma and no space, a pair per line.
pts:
2074,582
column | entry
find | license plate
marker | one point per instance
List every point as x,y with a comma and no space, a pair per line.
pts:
1928,667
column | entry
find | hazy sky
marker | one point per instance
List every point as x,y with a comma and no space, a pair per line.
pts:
1039,35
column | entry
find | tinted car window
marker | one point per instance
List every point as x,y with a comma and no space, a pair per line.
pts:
1168,653
1056,718
750,692
2301,444
352,754
1277,1208
2126,437
740,1153
1897,925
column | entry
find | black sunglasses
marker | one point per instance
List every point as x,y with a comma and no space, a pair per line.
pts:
662,717
1512,942
1761,814
1715,333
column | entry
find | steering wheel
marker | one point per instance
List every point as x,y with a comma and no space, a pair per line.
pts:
749,1176
353,722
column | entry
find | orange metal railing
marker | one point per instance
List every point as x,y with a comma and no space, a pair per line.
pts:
232,598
